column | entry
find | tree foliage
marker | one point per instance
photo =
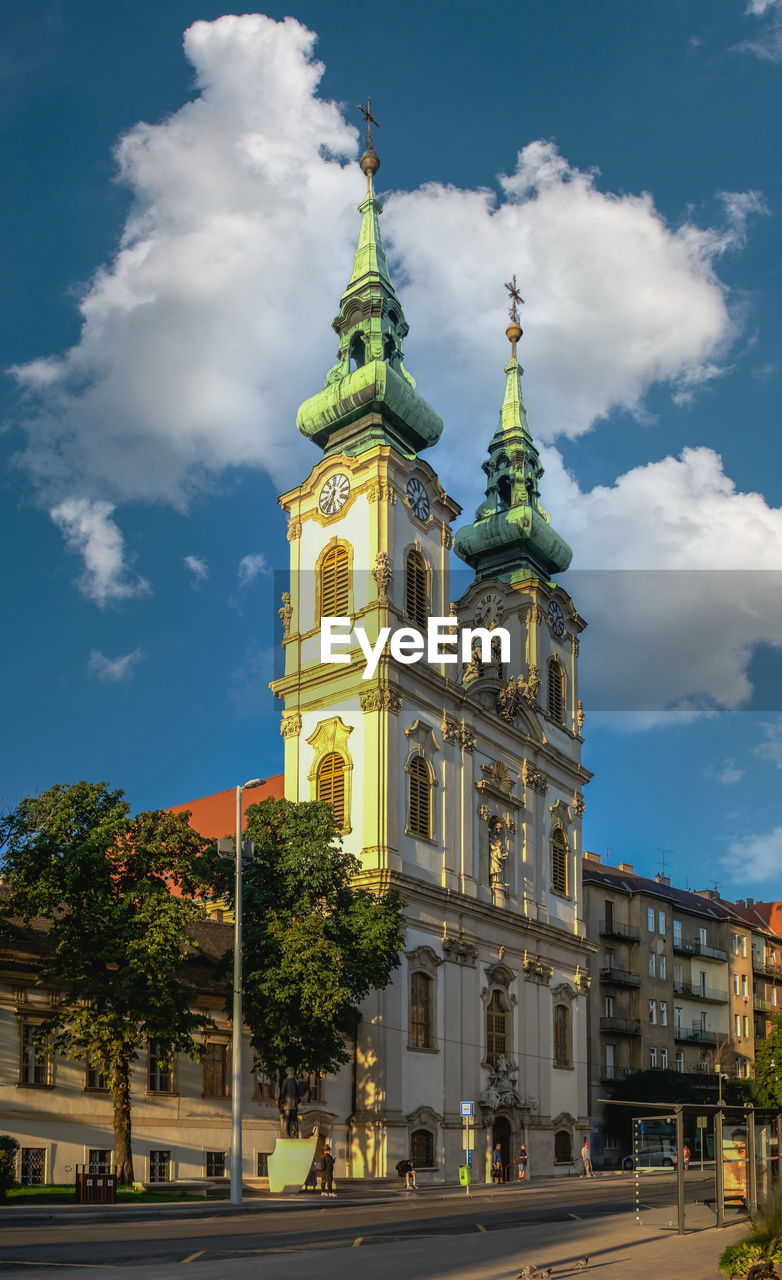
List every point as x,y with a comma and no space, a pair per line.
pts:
8,1151
767,1084
315,943
102,881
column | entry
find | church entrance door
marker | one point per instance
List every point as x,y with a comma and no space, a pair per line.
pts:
501,1133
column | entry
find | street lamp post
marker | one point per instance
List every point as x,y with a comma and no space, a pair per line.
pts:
236,1024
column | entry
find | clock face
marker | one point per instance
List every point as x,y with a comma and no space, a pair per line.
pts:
557,619
489,610
418,498
334,494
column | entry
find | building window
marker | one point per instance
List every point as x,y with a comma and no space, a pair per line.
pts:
680,1060
331,785
160,1166
745,988
608,960
314,1089
663,966
609,1062
652,965
653,1013
94,1078
608,1006
159,1074
421,1011
744,946
734,943
653,1059
556,691
419,820
664,1059
216,1070
677,933
416,592
562,1039
661,922
745,1026
650,919
334,581
677,1019
422,1148
563,1147
702,937
496,1028
559,863
215,1164
32,1166
737,1024
736,984
98,1160
35,1065
663,1013
265,1088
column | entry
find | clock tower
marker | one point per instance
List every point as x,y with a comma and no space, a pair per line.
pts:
458,782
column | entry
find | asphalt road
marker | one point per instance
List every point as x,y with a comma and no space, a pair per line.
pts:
311,1229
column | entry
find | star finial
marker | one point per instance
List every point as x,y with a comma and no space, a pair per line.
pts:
369,120
515,299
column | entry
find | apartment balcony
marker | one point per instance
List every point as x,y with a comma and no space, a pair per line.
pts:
695,1035
694,991
694,947
615,929
621,1026
620,977
763,1006
768,969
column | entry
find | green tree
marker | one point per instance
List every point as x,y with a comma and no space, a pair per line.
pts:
767,1084
117,894
315,942
8,1150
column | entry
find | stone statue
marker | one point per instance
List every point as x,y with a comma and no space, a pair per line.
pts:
498,853
289,1105
501,1090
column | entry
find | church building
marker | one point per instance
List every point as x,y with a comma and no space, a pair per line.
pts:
459,783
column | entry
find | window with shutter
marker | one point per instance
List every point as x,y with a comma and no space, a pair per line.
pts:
420,812
334,573
556,691
422,1148
420,1011
559,863
562,1054
496,1028
331,785
416,594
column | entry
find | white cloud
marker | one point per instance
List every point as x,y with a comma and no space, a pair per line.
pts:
771,748
729,773
198,568
89,530
767,41
251,567
113,670
755,858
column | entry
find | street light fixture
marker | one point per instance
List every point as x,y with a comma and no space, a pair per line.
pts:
236,1024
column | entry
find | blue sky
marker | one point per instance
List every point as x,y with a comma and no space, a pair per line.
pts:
166,307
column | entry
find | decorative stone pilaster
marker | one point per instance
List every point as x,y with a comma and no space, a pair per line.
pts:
381,697
294,529
290,725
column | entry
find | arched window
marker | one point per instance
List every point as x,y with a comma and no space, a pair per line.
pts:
556,691
331,784
496,1028
422,1148
559,862
563,1147
358,351
420,1011
419,821
416,593
334,574
562,1040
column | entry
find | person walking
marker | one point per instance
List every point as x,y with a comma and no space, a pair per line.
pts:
497,1164
522,1161
686,1156
586,1159
327,1163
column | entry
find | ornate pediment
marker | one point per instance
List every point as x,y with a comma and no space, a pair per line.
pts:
425,1116
564,992
460,951
423,736
499,975
424,957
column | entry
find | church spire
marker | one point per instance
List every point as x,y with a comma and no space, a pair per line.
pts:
512,537
369,377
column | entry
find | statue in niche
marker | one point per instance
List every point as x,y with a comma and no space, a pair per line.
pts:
498,853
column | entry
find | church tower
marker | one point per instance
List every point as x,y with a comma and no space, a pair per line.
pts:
457,781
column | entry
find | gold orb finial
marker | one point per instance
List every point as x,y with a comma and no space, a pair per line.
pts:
513,332
370,162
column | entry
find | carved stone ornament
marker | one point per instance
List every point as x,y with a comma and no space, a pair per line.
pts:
534,778
583,982
453,609
380,491
446,537
576,643
537,970
424,957
290,725
285,614
468,738
564,992
381,697
517,691
460,951
499,775
580,715
501,1090
499,975
294,529
483,812
579,803
382,574
454,730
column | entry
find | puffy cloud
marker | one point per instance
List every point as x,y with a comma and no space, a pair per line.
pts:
771,748
755,858
767,42
198,568
251,567
729,773
113,670
89,530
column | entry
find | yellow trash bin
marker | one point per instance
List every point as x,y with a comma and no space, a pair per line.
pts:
465,1175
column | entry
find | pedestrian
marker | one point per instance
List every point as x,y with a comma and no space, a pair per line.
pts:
326,1168
497,1164
586,1159
523,1160
406,1170
312,1177
686,1156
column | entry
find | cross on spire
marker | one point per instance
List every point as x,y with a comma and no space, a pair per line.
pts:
515,299
369,120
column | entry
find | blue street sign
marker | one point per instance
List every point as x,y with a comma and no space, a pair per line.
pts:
466,1108
469,1158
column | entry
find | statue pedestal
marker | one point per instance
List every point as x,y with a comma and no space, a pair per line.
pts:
289,1164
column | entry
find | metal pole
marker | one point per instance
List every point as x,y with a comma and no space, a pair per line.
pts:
752,1169
779,1148
680,1169
236,1024
719,1179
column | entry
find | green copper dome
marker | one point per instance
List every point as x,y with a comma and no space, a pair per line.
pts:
512,536
368,396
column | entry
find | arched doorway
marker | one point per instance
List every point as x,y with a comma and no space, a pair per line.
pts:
501,1132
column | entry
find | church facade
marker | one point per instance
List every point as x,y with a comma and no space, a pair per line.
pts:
458,782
